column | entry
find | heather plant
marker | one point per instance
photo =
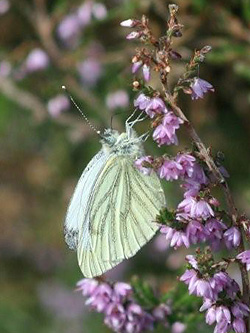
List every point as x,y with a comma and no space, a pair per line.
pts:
199,219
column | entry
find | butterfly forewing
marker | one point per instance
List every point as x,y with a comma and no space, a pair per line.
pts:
77,210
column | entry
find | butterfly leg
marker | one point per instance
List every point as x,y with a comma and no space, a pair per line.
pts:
144,136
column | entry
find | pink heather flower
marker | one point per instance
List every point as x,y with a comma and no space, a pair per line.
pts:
178,327
4,6
198,175
190,277
192,189
223,314
135,316
57,105
177,238
90,71
220,281
201,209
115,316
199,287
155,106
192,261
133,35
232,237
202,288
84,14
100,298
211,315
239,325
139,164
187,162
171,120
69,29
146,72
240,310
165,132
170,170
197,209
122,290
99,11
142,101
136,66
215,230
200,87
232,289
161,312
36,60
148,322
222,327
185,207
128,23
206,304
196,232
117,99
87,286
244,257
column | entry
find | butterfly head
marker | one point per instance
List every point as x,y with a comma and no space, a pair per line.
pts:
109,137
121,144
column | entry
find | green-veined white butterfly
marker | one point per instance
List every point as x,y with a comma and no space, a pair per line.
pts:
112,211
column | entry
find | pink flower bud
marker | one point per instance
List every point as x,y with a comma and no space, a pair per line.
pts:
128,23
146,72
136,66
133,35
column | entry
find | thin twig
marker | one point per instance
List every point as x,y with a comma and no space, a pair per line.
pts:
24,98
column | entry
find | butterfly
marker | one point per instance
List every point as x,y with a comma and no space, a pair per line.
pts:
112,212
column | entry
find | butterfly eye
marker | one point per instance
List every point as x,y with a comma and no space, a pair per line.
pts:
110,137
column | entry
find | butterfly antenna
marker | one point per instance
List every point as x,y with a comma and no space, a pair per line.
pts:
82,113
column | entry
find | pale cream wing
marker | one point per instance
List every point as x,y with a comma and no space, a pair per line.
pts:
79,203
122,215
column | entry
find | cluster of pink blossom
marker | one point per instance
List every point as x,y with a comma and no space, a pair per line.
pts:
37,60
244,257
165,131
57,105
220,295
187,227
4,6
72,25
117,99
122,313
143,61
196,219
199,214
90,70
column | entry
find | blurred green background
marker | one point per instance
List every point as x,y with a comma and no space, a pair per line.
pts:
44,146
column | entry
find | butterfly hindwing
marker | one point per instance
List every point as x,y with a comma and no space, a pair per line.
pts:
121,214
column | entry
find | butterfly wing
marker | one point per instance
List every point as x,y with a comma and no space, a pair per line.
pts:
76,213
122,212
